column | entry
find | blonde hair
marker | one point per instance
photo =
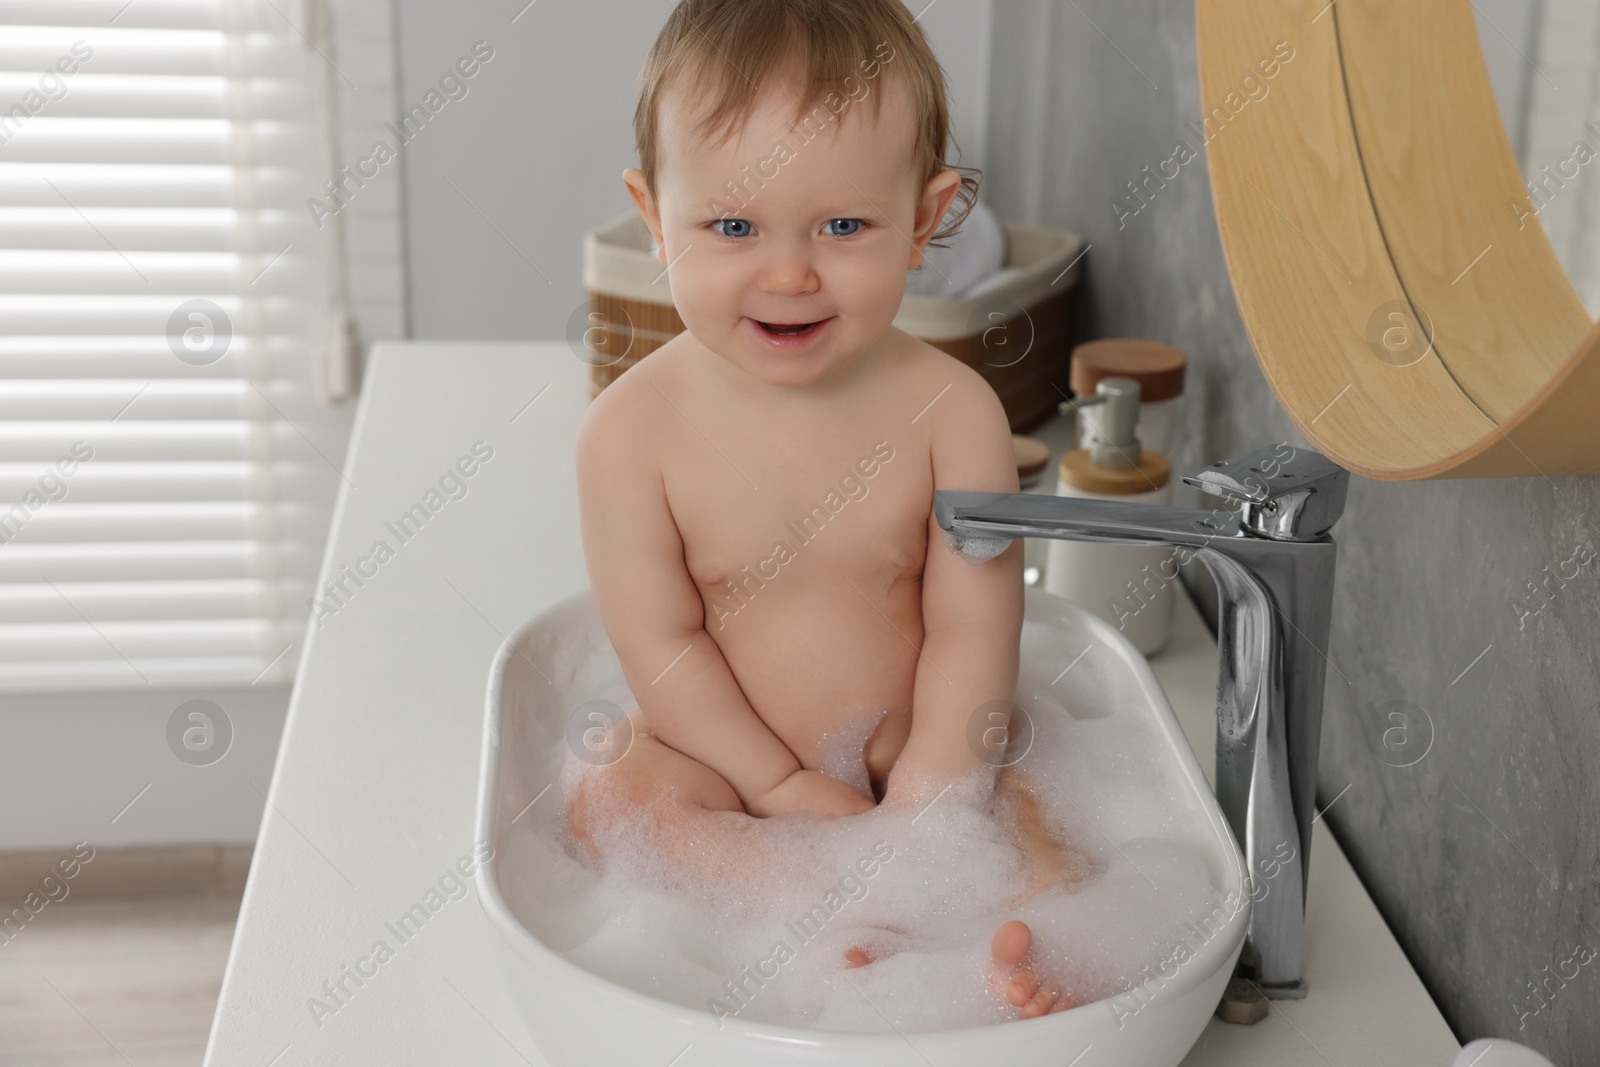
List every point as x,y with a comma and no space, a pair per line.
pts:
735,48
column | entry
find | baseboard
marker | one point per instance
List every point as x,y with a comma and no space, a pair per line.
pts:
121,872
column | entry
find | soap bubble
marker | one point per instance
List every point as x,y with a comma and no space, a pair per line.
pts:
975,550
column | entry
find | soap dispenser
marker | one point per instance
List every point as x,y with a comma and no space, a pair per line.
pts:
1130,586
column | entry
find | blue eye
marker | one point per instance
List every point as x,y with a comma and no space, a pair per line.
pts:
853,227
735,227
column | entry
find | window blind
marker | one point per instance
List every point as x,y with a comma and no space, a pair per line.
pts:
166,474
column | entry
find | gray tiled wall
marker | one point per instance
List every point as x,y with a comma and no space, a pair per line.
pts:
1472,816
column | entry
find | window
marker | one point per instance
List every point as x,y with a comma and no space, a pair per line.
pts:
167,472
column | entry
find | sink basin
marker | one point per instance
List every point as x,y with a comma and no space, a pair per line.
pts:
561,658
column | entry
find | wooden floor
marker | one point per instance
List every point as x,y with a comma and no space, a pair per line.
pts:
103,982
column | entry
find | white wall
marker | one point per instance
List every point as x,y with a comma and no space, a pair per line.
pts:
1508,35
539,145
74,762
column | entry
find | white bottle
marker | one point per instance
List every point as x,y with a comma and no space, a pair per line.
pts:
1130,586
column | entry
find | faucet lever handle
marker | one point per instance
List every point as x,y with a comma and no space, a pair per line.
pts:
1288,493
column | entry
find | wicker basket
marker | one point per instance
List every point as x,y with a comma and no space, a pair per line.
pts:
1018,336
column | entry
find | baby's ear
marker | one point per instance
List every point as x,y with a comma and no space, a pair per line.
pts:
649,210
937,196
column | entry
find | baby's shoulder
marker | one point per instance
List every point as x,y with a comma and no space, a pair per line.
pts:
968,436
969,401
620,420
633,398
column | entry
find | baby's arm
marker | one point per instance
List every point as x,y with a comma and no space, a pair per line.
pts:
656,621
971,614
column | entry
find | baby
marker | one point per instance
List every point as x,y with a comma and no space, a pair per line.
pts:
757,495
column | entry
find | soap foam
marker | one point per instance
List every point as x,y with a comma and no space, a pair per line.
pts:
920,891
841,750
975,550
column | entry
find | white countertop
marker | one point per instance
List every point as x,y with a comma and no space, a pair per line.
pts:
372,798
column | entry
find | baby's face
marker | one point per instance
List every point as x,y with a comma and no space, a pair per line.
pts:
825,235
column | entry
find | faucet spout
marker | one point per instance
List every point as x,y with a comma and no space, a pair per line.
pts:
1273,563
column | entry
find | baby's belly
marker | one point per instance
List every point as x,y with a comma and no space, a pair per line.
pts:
823,669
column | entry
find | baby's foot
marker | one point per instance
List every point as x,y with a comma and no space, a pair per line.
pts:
1013,977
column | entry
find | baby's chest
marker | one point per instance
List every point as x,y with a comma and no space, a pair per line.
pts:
843,507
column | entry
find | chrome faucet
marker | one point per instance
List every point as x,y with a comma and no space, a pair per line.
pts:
1272,560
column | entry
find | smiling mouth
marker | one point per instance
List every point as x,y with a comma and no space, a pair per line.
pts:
779,329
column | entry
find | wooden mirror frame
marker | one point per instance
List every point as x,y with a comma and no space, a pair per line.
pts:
1398,289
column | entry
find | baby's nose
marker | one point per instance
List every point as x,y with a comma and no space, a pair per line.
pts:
789,273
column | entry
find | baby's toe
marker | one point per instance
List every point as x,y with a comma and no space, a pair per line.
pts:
1008,974
1042,1001
1011,943
1023,987
1015,979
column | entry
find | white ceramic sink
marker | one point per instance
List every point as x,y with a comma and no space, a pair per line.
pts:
580,1018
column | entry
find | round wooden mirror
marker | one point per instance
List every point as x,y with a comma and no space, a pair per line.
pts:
1402,300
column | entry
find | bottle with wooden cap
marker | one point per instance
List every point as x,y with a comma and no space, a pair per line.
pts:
1159,370
1130,586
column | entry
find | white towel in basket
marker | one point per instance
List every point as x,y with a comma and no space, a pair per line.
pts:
975,254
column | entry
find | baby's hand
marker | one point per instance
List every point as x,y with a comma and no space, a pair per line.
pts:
808,792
